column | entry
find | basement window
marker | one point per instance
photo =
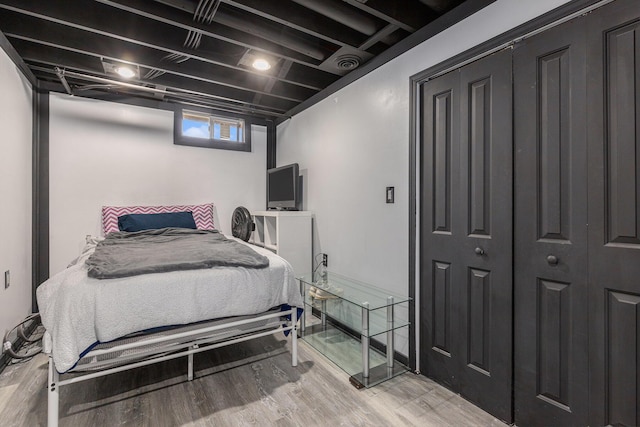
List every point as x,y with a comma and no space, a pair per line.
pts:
205,129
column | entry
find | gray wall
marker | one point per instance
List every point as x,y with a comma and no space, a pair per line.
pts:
355,143
104,153
15,193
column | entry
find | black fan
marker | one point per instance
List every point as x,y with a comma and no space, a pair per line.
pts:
241,224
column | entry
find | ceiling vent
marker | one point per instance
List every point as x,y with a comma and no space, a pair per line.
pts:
348,62
344,60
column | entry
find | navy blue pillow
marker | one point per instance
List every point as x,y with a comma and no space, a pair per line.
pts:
139,222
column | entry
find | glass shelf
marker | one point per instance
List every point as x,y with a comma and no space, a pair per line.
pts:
338,310
350,315
353,291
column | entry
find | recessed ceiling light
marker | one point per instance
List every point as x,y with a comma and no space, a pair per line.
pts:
261,64
125,72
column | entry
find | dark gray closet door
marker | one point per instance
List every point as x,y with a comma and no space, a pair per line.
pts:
614,213
467,232
440,183
550,252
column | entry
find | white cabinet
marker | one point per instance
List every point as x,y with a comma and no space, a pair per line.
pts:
288,234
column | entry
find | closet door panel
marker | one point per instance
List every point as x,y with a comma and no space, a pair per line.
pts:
485,215
553,207
550,344
441,301
439,265
614,213
467,232
479,320
622,329
623,219
479,160
441,164
554,313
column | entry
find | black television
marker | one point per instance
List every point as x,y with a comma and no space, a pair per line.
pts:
282,187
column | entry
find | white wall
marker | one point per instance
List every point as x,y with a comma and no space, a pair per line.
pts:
15,193
355,143
104,153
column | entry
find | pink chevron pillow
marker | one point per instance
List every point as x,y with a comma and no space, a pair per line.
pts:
202,214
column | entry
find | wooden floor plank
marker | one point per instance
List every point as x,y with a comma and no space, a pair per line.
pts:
248,384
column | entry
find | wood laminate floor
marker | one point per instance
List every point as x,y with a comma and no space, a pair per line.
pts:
252,383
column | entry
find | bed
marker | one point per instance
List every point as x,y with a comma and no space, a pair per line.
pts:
96,326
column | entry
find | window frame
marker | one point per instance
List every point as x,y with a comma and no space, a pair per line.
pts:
220,144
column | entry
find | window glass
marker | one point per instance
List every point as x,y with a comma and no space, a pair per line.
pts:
199,125
227,130
203,129
195,126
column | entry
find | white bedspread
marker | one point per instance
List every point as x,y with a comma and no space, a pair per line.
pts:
78,311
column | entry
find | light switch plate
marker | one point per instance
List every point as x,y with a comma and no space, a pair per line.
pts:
7,279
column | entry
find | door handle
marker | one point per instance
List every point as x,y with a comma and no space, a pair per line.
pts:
552,260
479,251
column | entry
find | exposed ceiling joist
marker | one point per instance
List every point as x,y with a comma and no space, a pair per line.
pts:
406,14
151,10
202,52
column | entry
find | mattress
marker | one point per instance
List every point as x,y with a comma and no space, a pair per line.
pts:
79,312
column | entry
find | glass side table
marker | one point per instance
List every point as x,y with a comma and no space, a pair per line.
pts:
338,311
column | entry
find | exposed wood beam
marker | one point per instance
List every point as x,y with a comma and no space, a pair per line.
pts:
157,12
95,22
15,57
378,37
297,17
463,11
168,81
156,103
271,83
99,26
175,92
388,11
208,46
343,13
439,5
97,46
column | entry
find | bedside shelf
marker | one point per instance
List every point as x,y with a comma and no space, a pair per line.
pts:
286,233
273,248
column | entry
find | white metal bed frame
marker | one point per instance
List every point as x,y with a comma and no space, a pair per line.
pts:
161,346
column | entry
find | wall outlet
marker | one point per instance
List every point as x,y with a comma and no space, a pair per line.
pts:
325,260
390,195
7,279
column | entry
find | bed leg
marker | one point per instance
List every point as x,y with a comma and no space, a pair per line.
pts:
294,336
52,395
190,367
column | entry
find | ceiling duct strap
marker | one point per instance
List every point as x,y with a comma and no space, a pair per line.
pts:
205,11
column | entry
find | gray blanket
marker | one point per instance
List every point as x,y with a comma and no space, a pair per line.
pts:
123,254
